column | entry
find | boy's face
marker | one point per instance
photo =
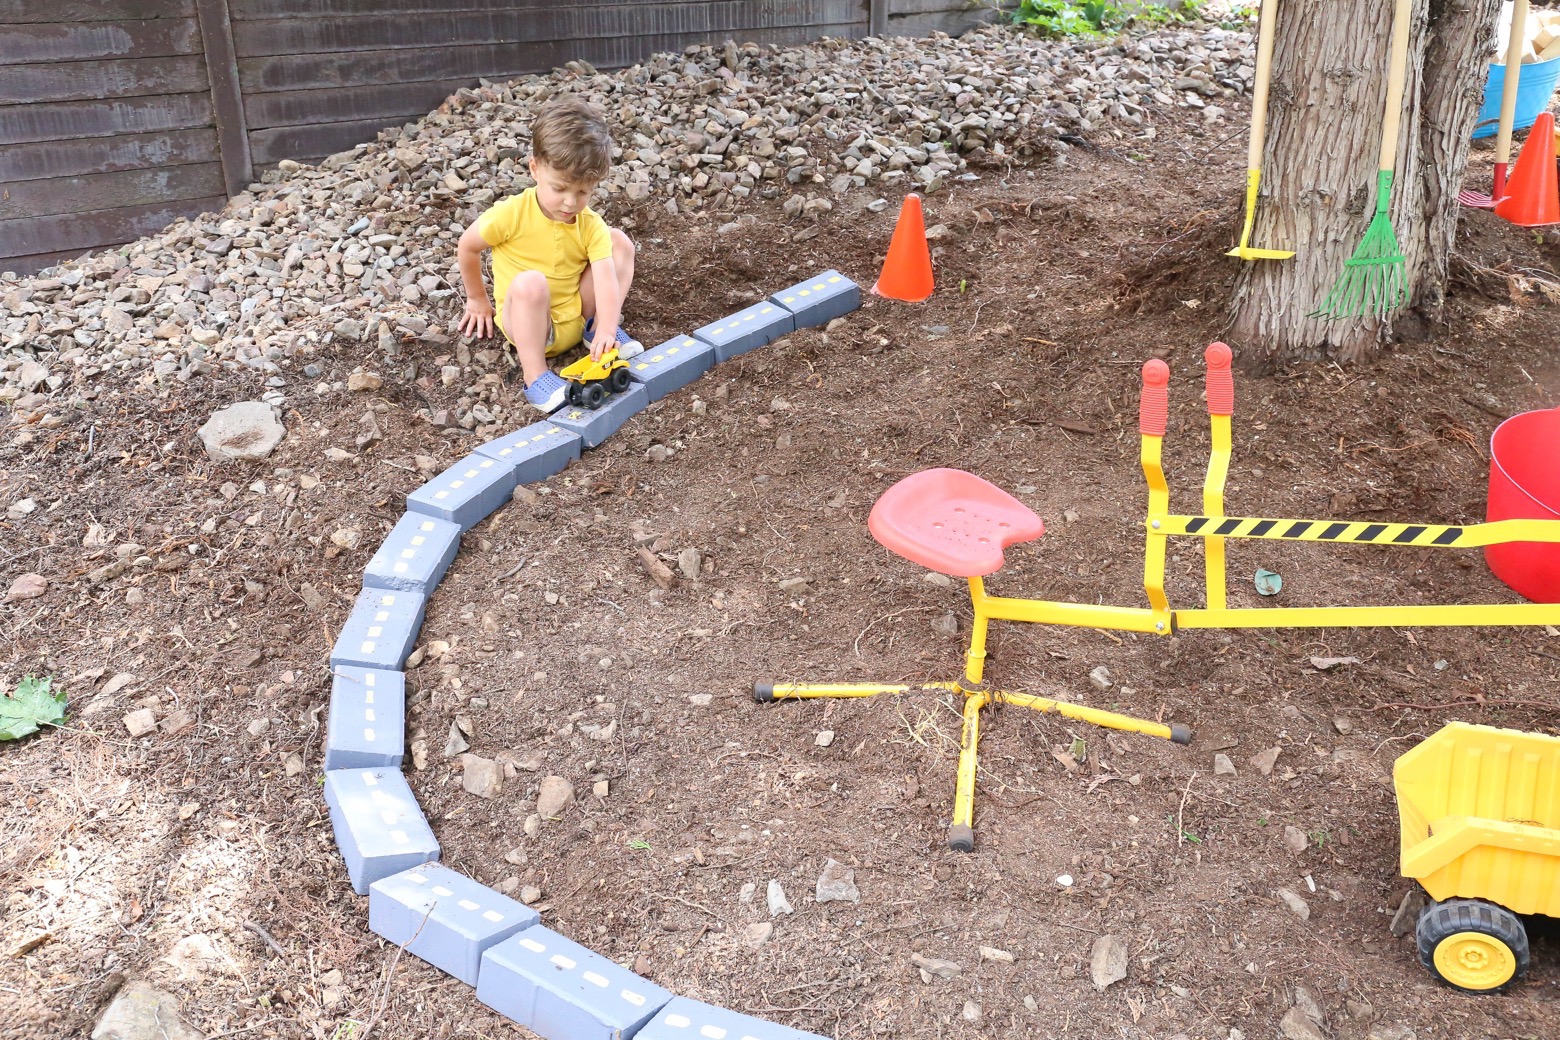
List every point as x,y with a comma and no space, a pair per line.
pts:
562,198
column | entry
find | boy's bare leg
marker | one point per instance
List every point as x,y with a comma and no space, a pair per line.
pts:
622,262
527,314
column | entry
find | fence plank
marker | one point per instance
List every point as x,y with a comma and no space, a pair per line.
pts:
16,12
441,29
27,162
82,231
25,265
247,10
109,190
113,78
227,97
951,22
20,44
315,141
67,119
343,104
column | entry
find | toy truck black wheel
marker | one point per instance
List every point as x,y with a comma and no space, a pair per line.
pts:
1472,945
618,381
572,394
591,395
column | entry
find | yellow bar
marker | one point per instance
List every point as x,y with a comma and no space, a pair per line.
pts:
1213,505
1096,716
975,657
1357,532
1158,505
794,691
1461,614
1082,615
964,792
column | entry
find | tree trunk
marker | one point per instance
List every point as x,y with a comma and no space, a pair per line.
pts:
1319,166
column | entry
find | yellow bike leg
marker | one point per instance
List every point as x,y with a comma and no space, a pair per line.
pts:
767,692
1174,732
961,833
1220,390
975,657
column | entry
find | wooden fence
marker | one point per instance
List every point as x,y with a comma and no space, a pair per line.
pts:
119,116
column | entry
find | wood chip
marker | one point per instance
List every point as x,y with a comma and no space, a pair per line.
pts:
659,572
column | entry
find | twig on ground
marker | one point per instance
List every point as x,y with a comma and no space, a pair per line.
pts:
1180,832
259,929
384,991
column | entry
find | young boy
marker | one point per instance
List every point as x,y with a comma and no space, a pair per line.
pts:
559,273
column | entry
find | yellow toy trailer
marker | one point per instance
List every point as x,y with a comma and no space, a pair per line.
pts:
1479,809
590,381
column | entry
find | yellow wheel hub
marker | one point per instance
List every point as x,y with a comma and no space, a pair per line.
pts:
1474,960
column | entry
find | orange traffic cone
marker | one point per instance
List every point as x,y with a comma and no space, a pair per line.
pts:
1532,193
907,270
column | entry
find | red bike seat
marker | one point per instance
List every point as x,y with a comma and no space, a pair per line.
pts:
952,522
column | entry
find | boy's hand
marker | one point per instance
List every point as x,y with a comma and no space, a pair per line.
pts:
477,321
602,342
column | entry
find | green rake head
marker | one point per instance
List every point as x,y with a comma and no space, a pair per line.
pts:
1373,279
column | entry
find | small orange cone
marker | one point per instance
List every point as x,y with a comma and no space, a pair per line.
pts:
907,270
1532,192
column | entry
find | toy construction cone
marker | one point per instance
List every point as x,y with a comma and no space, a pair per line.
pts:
1532,193
907,270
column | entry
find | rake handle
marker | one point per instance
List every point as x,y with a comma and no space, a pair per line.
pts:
1154,408
1259,91
1396,77
1219,383
1508,89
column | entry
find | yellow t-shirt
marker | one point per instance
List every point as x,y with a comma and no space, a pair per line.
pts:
523,238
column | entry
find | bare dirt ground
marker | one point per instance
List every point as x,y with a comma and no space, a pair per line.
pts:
201,856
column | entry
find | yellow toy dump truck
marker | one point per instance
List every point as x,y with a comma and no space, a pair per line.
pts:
1479,809
590,381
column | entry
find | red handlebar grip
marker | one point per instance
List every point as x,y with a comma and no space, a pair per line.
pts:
1154,409
1220,384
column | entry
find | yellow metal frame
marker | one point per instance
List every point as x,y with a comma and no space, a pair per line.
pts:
1161,618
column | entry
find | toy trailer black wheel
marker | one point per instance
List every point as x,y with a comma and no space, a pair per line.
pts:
618,381
591,395
1472,945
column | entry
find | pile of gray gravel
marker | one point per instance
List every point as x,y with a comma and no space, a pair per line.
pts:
362,246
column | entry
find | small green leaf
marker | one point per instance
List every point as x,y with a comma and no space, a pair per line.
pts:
639,844
32,704
1080,750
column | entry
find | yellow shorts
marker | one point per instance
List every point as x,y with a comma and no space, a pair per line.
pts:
560,336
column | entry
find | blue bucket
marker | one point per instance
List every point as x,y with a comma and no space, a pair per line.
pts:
1535,86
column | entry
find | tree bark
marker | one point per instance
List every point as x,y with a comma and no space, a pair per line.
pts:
1319,167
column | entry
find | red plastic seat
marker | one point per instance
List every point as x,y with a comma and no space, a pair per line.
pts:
951,522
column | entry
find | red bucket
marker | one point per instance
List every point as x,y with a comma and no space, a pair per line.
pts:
1525,485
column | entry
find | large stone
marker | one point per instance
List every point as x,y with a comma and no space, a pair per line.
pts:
242,432
837,883
1108,961
555,795
143,1012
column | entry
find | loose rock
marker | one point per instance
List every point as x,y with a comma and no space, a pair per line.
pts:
242,432
483,777
143,1012
778,903
837,883
1291,899
1108,961
555,795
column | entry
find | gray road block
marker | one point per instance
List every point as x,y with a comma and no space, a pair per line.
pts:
381,629
672,365
748,328
414,555
380,829
367,725
536,452
684,1019
593,427
466,492
559,990
444,917
819,300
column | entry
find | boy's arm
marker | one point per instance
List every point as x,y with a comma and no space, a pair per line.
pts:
477,320
609,307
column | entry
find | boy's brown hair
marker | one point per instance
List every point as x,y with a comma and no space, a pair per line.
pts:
571,136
